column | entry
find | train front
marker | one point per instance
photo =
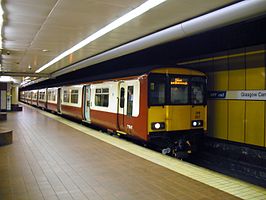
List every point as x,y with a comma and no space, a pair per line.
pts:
177,111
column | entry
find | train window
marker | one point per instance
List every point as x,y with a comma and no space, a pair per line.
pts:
197,90
179,91
66,96
102,97
74,96
105,90
98,90
51,95
122,97
157,92
42,95
130,90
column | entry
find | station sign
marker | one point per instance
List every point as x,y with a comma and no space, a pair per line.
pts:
255,95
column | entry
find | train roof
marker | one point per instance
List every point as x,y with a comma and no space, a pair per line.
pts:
99,77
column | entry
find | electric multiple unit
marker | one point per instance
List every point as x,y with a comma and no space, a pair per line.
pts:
165,107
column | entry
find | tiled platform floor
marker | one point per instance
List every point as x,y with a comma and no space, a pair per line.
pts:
50,160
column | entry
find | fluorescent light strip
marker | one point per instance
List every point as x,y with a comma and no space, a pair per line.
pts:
115,24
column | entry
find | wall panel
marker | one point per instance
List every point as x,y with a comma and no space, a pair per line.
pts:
236,119
217,119
255,133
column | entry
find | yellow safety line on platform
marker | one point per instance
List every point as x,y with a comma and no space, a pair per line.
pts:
222,182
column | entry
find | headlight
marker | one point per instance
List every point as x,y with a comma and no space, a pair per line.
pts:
157,125
197,123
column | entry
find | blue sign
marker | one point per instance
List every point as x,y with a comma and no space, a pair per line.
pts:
216,94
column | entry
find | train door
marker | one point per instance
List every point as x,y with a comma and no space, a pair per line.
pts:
37,103
121,106
46,98
87,103
59,100
126,93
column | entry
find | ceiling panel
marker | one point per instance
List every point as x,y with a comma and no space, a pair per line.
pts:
56,25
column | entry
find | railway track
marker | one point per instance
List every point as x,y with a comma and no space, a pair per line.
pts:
250,167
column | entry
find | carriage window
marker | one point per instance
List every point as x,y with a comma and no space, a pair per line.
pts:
179,91
157,92
197,90
102,97
130,90
34,96
42,95
66,96
74,96
122,97
51,95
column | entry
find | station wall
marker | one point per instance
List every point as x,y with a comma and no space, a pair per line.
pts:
238,120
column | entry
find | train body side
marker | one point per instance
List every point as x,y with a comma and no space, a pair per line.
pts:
71,103
121,106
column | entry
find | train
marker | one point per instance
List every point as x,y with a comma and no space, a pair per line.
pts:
165,107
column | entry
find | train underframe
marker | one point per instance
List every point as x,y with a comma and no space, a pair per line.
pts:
177,143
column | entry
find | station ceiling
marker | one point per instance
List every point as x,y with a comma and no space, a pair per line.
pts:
36,31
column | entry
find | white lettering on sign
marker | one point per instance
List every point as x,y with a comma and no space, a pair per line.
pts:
257,95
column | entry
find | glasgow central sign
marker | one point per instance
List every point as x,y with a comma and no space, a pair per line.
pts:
256,95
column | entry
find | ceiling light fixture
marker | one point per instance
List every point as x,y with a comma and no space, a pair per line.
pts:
113,25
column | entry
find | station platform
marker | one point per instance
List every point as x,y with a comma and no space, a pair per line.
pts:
54,158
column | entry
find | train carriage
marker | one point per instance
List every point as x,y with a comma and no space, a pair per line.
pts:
165,107
177,111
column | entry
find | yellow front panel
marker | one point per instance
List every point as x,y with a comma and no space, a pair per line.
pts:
179,118
255,122
199,113
236,120
155,114
176,117
217,118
